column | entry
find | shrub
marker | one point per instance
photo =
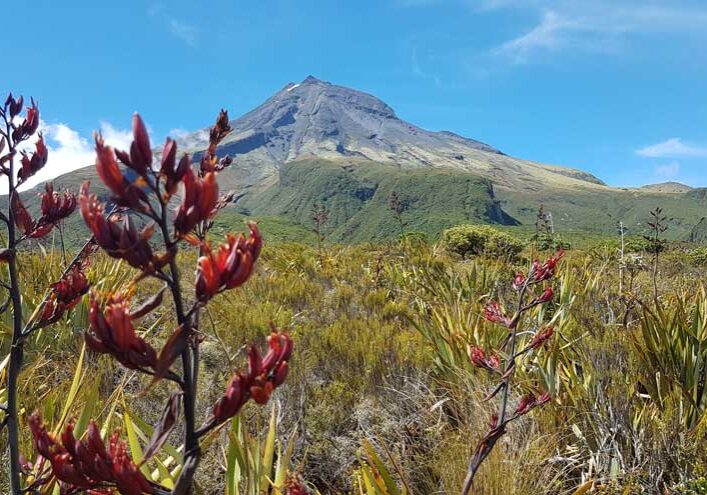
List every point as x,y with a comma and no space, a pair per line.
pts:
698,256
474,240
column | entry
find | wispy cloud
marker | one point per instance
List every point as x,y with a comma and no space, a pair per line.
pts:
597,26
181,30
190,139
673,148
416,3
419,71
667,171
549,34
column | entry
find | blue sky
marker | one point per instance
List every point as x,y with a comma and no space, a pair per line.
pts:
616,87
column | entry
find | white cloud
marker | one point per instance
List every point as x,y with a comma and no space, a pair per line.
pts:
187,140
185,32
667,171
179,29
550,34
68,150
117,138
597,26
673,148
416,3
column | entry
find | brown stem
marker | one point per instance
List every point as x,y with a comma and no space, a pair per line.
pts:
192,451
16,350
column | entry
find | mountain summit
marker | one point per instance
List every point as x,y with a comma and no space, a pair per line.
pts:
317,119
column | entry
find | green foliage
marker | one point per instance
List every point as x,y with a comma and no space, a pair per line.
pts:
672,347
374,478
698,256
476,240
381,334
694,487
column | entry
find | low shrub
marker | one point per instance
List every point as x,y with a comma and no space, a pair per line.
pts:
475,240
698,256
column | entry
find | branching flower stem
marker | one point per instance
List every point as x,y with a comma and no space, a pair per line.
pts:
17,349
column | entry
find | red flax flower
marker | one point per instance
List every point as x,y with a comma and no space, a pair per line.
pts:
14,105
32,165
140,157
545,271
209,160
29,125
478,358
199,204
112,332
89,465
263,375
529,401
171,172
55,208
541,337
125,192
494,314
119,238
295,486
230,266
64,295
546,296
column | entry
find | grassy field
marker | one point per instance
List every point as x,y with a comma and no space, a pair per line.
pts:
380,380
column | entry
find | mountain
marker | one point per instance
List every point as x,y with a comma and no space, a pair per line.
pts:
668,187
319,143
317,119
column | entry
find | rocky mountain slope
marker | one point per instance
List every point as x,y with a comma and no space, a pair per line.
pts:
317,119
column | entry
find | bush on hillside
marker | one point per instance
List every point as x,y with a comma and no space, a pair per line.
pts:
476,240
698,256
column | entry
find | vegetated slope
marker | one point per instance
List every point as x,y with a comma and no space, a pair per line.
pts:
667,187
600,210
357,198
698,233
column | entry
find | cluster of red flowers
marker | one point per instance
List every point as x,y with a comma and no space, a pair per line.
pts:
118,236
210,162
295,486
494,314
33,164
263,375
541,337
127,191
199,204
55,208
64,294
480,360
29,125
530,401
88,465
170,170
545,271
113,333
545,296
228,267
539,272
